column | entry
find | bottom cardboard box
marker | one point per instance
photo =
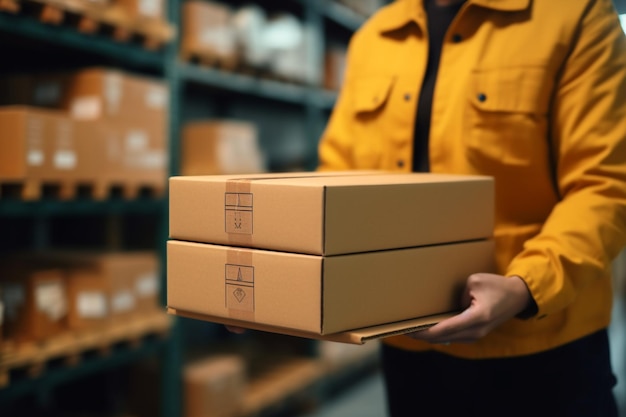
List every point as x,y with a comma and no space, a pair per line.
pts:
355,337
320,295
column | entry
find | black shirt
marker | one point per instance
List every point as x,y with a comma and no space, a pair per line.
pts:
439,19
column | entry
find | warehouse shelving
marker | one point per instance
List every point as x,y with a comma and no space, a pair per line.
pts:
68,37
61,41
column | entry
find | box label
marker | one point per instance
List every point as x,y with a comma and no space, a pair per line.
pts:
238,216
239,287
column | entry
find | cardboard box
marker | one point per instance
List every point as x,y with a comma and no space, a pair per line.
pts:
110,94
35,303
89,295
134,153
45,145
319,295
214,386
143,9
207,31
329,214
218,147
125,280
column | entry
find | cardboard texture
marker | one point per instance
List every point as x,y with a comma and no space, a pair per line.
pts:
214,386
321,294
331,213
218,147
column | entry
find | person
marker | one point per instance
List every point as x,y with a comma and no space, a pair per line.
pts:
532,93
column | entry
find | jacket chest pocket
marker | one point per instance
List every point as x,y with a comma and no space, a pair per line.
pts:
371,103
507,116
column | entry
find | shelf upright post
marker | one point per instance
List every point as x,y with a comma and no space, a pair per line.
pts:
171,367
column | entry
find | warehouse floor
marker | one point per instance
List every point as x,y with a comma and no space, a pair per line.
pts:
367,397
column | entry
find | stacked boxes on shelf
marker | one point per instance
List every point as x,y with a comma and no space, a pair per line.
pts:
323,254
97,127
219,35
52,292
221,147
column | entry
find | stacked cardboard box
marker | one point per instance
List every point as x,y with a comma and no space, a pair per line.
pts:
322,254
103,126
46,293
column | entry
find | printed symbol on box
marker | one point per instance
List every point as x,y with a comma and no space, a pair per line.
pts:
239,287
239,294
238,210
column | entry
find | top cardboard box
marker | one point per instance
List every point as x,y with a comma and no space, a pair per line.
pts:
331,213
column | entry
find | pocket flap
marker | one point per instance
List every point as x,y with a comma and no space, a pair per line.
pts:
370,93
517,89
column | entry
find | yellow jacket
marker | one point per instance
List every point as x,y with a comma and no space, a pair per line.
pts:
532,93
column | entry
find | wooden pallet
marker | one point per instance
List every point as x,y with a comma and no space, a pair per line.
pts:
87,18
208,59
31,359
33,190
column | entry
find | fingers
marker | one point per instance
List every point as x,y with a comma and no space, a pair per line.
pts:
465,326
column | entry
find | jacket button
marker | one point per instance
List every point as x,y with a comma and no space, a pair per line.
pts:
456,38
481,97
407,97
400,163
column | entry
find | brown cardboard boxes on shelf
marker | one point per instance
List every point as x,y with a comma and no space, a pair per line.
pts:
110,288
35,302
328,214
353,255
221,147
91,93
117,121
46,145
94,93
88,299
207,32
104,287
214,386
320,295
142,9
131,114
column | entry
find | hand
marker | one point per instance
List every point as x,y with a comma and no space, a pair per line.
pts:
491,300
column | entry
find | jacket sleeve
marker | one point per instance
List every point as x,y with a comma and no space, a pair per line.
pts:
587,228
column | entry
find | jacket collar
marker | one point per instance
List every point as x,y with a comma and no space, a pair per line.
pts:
401,12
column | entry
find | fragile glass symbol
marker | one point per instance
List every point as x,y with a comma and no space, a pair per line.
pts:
239,294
